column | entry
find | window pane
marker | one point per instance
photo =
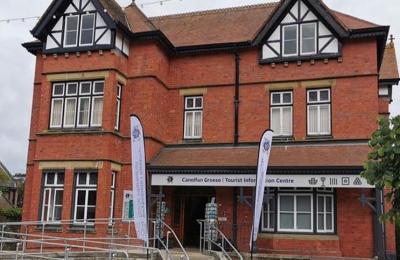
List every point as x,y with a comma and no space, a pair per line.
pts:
286,203
197,124
324,95
308,38
93,178
304,203
276,120
45,211
189,103
287,121
91,214
84,104
87,21
72,89
71,38
97,115
290,41
92,198
313,96
81,199
276,98
286,221
329,224
325,118
189,124
313,119
321,222
117,112
56,115
328,204
199,102
50,178
99,87
70,112
303,221
85,88
59,197
58,89
82,178
57,213
80,212
320,204
287,98
60,178
87,37
72,23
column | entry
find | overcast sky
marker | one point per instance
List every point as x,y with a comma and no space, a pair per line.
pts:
17,65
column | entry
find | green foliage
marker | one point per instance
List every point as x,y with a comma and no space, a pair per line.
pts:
383,166
10,214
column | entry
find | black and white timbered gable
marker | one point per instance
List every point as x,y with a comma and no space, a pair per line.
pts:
301,30
79,25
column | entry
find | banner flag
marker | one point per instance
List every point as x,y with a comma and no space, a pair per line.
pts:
139,180
263,159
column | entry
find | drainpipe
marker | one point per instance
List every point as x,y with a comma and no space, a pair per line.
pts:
236,101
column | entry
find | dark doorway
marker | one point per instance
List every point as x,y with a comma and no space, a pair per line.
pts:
194,209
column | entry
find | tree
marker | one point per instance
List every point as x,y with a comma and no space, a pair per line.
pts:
383,166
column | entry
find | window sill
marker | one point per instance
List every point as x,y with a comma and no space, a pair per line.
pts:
192,141
300,236
50,227
319,137
282,139
81,229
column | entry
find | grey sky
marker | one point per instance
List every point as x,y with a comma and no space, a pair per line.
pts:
17,65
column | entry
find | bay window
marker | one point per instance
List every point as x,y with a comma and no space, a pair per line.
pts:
85,197
292,210
52,202
193,117
319,112
77,104
281,113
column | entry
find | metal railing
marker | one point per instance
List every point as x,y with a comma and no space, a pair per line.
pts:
219,240
43,239
161,224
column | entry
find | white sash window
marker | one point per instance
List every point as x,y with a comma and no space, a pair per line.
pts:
319,112
85,197
193,117
71,31
53,191
282,113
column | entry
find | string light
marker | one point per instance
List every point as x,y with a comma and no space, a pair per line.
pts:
19,19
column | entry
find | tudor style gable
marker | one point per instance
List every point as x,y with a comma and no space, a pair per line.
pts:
299,32
79,25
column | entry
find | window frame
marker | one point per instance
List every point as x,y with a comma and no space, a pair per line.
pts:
87,188
281,106
81,29
284,41
315,38
193,110
118,108
112,196
325,229
66,31
314,192
52,189
318,104
78,95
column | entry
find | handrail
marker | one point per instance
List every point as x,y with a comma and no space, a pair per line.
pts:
174,235
229,243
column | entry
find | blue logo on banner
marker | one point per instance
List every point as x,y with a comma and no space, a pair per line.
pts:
266,145
136,133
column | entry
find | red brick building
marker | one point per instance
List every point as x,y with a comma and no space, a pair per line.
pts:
206,85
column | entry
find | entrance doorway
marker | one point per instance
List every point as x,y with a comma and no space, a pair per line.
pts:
195,208
190,205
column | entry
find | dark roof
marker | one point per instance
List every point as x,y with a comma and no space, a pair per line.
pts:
115,11
389,69
339,155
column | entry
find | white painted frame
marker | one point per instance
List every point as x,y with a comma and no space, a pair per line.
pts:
193,110
295,212
325,230
318,104
92,124
79,114
52,112
66,30
284,41
65,112
280,106
81,29
315,39
268,211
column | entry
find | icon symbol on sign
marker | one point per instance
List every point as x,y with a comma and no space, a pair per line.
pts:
323,179
170,179
345,181
357,182
313,181
333,181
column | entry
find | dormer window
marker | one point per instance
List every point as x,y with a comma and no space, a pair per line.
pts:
308,38
290,36
71,31
87,29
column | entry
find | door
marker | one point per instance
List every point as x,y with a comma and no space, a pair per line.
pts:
194,209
